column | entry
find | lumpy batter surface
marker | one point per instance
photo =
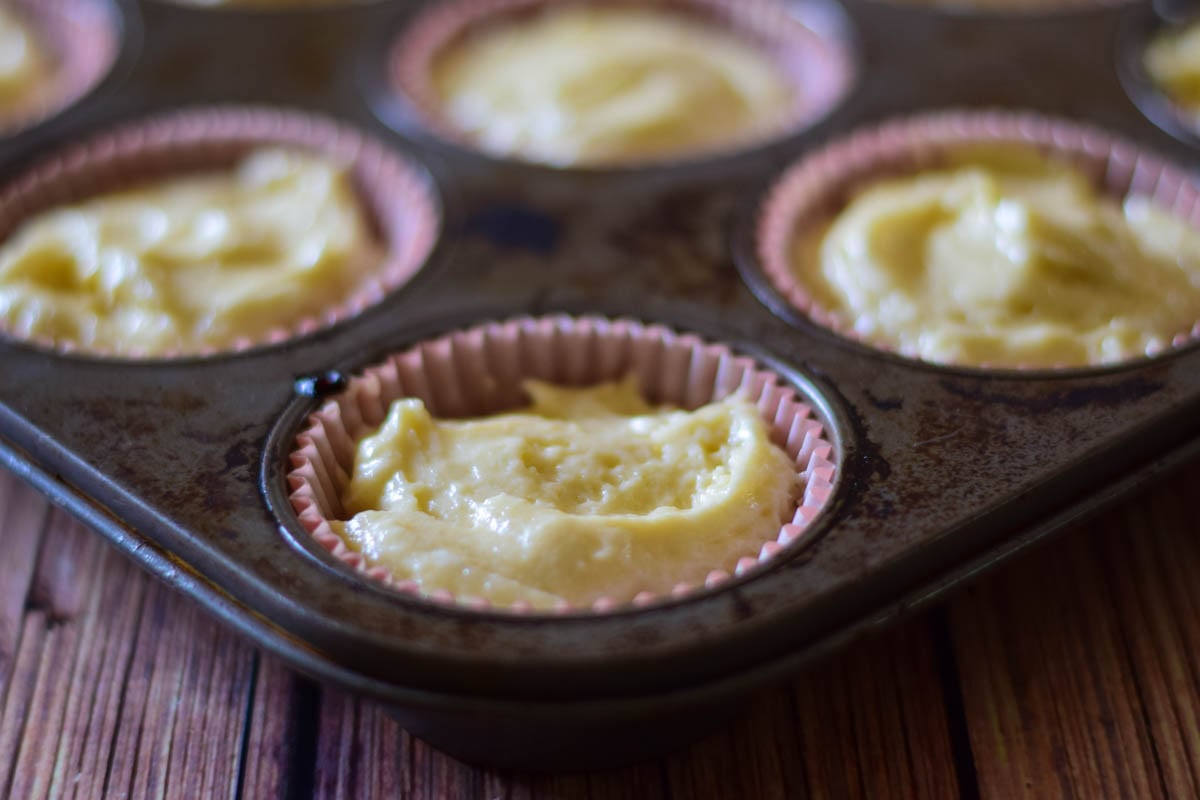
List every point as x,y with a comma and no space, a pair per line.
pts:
23,63
1004,258
587,493
192,263
597,85
1173,61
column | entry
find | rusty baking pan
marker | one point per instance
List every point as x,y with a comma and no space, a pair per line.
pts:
941,472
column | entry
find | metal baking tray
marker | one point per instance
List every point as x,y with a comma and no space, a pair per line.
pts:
943,472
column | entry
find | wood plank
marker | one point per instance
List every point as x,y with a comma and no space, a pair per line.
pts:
1077,662
208,728
362,752
63,700
337,732
22,518
41,735
274,729
725,762
81,693
36,722
20,696
119,611
804,740
873,722
64,568
184,737
142,750
1050,699
115,686
1151,556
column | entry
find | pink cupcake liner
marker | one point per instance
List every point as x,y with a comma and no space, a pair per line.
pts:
820,67
80,39
821,184
396,196
1150,96
479,370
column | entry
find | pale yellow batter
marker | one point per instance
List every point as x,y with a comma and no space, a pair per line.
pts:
1007,259
596,85
191,263
1173,62
23,64
587,493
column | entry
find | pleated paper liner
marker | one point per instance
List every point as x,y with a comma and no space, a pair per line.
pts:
822,183
479,370
817,63
394,194
80,41
1167,110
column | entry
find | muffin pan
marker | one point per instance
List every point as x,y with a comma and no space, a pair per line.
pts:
941,472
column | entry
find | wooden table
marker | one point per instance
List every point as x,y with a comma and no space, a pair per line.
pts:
1071,672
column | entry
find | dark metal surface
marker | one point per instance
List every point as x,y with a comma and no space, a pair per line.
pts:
942,470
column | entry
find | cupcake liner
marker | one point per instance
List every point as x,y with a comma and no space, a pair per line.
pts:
818,64
477,371
821,184
80,39
395,194
1151,98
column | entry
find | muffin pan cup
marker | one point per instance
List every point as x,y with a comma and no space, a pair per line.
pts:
819,186
394,196
78,41
807,46
1135,36
479,371
942,472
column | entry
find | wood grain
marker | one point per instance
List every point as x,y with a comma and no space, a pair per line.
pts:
1151,557
22,517
1078,665
113,686
276,729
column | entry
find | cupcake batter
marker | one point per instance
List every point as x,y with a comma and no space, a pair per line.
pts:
1004,258
22,62
192,263
1173,62
587,493
594,85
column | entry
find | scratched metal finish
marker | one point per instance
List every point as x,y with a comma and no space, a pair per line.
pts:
939,467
